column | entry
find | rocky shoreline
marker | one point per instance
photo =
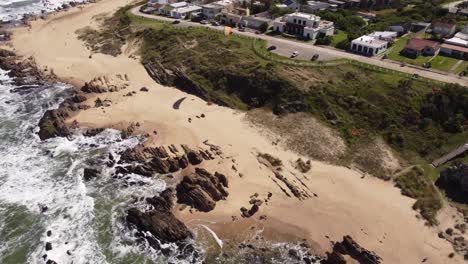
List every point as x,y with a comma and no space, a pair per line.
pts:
196,187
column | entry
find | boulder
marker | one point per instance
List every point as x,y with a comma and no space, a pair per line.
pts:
89,174
52,124
201,190
351,248
194,157
160,222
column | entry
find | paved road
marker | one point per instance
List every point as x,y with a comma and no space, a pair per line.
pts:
288,46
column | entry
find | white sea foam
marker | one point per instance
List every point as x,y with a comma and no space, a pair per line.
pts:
16,9
216,238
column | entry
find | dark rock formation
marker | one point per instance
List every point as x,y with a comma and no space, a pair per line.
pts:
78,98
454,180
202,190
93,132
144,89
160,222
89,174
24,72
48,246
249,212
194,157
52,124
303,166
350,247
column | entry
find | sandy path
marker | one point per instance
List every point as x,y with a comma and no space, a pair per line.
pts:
370,210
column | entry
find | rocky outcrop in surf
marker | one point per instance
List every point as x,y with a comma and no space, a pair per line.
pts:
148,161
24,72
351,248
53,122
159,221
202,190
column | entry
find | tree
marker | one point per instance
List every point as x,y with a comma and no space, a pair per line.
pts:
327,40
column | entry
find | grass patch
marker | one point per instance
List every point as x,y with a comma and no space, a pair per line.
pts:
443,63
394,53
416,184
339,37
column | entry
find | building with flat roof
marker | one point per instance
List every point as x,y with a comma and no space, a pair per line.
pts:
307,26
315,6
185,12
166,9
368,45
384,35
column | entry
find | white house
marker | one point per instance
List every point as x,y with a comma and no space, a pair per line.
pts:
166,9
384,35
368,45
185,12
305,25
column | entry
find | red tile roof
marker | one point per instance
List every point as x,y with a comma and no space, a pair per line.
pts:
419,44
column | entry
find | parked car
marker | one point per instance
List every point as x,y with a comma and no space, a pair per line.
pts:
427,65
294,54
176,22
242,29
215,23
271,48
204,22
315,57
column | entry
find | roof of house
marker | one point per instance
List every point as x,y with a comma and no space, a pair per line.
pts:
223,3
369,14
317,4
457,41
369,41
454,47
443,25
289,2
461,35
336,2
419,44
383,34
179,4
303,15
188,9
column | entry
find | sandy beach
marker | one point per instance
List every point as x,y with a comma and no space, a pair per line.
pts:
372,211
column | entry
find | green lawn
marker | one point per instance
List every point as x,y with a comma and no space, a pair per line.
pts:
338,37
462,67
394,53
443,63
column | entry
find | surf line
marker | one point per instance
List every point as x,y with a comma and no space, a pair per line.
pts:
218,241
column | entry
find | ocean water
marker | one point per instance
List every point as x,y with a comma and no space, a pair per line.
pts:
16,9
85,218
